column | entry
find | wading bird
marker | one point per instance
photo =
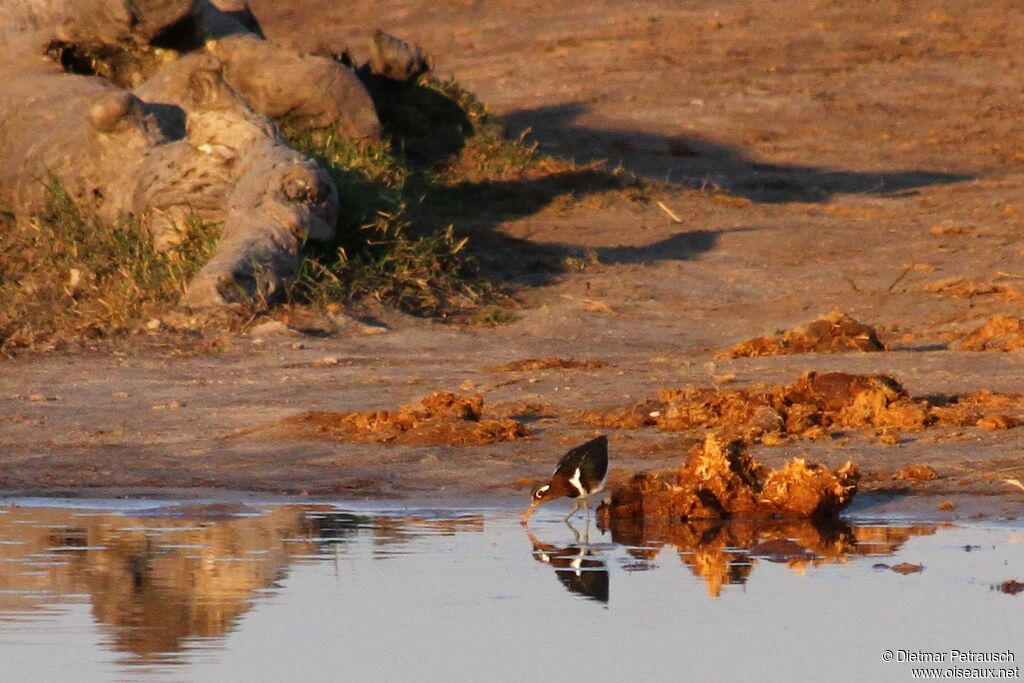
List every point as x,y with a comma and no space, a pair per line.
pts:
580,474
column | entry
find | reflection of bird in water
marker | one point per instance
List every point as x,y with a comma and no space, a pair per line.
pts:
580,474
581,570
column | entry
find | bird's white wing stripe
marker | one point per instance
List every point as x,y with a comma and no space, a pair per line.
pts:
577,484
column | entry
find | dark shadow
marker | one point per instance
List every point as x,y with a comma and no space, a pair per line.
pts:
428,127
695,163
921,348
430,124
478,208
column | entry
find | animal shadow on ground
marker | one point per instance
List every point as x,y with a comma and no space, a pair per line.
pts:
479,208
698,163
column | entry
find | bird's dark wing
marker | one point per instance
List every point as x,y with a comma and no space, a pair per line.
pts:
590,583
591,457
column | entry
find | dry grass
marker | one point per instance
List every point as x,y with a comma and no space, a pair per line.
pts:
67,273
388,248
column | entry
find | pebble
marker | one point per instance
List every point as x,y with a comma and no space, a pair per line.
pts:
170,405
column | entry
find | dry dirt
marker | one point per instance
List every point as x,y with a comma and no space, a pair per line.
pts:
808,157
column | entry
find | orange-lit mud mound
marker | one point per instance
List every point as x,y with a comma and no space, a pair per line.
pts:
1001,333
720,480
835,333
806,408
440,419
528,364
727,552
966,288
987,410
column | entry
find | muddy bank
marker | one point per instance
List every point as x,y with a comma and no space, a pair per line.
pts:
918,226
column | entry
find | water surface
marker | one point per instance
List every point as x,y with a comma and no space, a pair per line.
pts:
286,592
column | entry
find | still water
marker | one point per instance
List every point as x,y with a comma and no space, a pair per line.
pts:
169,592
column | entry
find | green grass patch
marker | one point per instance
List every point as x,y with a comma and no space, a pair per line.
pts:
69,273
390,246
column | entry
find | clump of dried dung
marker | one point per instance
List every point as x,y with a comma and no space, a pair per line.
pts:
984,409
917,473
440,419
1001,333
806,408
992,423
835,333
720,480
966,288
528,364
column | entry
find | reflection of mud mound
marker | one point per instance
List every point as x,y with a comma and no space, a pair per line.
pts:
547,364
1001,333
835,333
806,408
727,552
722,480
157,582
440,419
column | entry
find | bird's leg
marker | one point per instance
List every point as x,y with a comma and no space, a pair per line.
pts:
575,533
575,507
586,506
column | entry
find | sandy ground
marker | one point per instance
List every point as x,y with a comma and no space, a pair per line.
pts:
809,150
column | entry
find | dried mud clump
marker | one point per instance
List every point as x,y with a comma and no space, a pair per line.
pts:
917,473
1000,333
993,423
835,333
806,408
984,409
720,480
528,364
440,419
966,288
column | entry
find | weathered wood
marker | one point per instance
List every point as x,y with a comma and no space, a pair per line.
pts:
167,131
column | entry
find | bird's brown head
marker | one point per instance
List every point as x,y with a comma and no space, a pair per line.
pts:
542,494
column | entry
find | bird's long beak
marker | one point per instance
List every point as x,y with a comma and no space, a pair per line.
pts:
529,512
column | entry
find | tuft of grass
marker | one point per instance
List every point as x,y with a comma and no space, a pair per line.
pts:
67,272
379,252
386,247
